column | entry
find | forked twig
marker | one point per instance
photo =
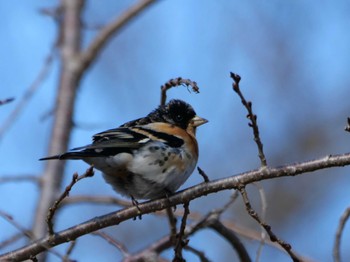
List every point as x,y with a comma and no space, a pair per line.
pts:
52,210
177,82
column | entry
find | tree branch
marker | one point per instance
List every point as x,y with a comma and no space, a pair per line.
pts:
181,241
6,101
251,116
70,32
28,94
177,82
233,182
52,210
336,249
107,32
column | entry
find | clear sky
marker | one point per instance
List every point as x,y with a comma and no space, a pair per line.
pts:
294,60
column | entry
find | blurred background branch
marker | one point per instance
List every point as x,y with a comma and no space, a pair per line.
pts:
294,57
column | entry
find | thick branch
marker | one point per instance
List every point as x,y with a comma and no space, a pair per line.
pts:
179,198
69,82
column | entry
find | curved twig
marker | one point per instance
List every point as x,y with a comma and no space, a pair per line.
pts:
177,82
336,249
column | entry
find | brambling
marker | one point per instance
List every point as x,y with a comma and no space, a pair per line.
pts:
149,157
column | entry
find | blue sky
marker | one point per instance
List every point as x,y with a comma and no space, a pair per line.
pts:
294,60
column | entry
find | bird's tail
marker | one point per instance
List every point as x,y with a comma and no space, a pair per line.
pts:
68,155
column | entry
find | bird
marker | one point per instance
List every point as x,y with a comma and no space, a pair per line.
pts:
147,158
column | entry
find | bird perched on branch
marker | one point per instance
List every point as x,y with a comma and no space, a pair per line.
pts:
149,157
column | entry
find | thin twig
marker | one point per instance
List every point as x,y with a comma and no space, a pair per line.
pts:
113,242
24,231
181,241
336,248
12,239
106,33
96,200
254,125
203,174
202,223
287,247
177,82
20,178
212,220
231,237
28,94
69,251
6,101
263,217
156,248
200,254
347,127
251,116
52,210
172,223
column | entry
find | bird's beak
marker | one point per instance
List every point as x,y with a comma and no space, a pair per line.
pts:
198,121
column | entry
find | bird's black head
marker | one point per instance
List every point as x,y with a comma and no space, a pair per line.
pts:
176,112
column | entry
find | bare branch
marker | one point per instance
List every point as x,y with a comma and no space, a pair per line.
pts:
212,220
24,231
72,245
233,182
113,242
177,82
20,178
28,94
231,237
203,174
200,254
52,210
263,217
96,200
347,127
172,223
11,240
336,249
251,116
6,101
181,241
287,247
109,30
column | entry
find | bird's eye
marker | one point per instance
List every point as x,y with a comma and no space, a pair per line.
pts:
178,118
